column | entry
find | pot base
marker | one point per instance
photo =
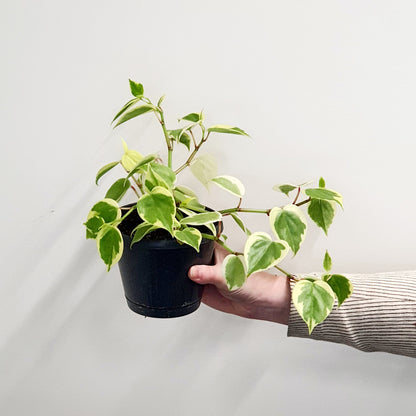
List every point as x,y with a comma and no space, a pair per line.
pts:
163,312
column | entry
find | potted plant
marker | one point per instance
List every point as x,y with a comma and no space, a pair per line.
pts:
157,238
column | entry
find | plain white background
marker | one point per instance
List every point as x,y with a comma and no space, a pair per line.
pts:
325,88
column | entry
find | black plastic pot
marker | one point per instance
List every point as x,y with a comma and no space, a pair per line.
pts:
154,273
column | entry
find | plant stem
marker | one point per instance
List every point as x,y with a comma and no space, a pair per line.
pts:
192,155
127,213
221,243
297,196
170,158
303,202
193,137
135,191
167,138
256,211
284,272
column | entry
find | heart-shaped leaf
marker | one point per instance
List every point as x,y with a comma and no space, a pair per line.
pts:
234,271
261,252
93,225
313,300
158,208
130,158
110,245
136,89
289,224
322,213
341,286
107,209
190,236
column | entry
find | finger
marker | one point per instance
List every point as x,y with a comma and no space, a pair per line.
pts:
206,275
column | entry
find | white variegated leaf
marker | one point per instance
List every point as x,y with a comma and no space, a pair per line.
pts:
230,184
234,271
289,224
261,252
313,300
204,168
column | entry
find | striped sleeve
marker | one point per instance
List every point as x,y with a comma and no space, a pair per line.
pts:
380,315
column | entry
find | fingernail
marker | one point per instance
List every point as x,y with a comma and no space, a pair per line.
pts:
191,272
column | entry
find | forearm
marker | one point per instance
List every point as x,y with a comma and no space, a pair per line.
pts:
379,316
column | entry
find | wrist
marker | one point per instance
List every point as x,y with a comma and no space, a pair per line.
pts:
274,303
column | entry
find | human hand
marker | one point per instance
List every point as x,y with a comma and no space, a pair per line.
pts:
263,296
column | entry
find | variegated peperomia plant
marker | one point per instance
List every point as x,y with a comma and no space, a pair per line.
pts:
163,204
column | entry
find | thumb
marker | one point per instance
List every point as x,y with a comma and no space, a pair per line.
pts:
207,275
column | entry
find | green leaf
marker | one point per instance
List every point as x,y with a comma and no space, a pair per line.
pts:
176,134
341,286
204,168
190,236
313,300
107,209
325,194
261,253
151,181
159,175
140,231
125,107
181,136
158,208
234,271
159,103
285,188
240,223
192,204
118,189
230,184
327,262
220,128
212,229
322,213
130,158
166,174
105,169
289,224
187,201
321,182
201,219
138,111
136,89
185,139
186,191
93,225
193,117
110,245
141,164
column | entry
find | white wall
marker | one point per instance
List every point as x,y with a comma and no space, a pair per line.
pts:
325,88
